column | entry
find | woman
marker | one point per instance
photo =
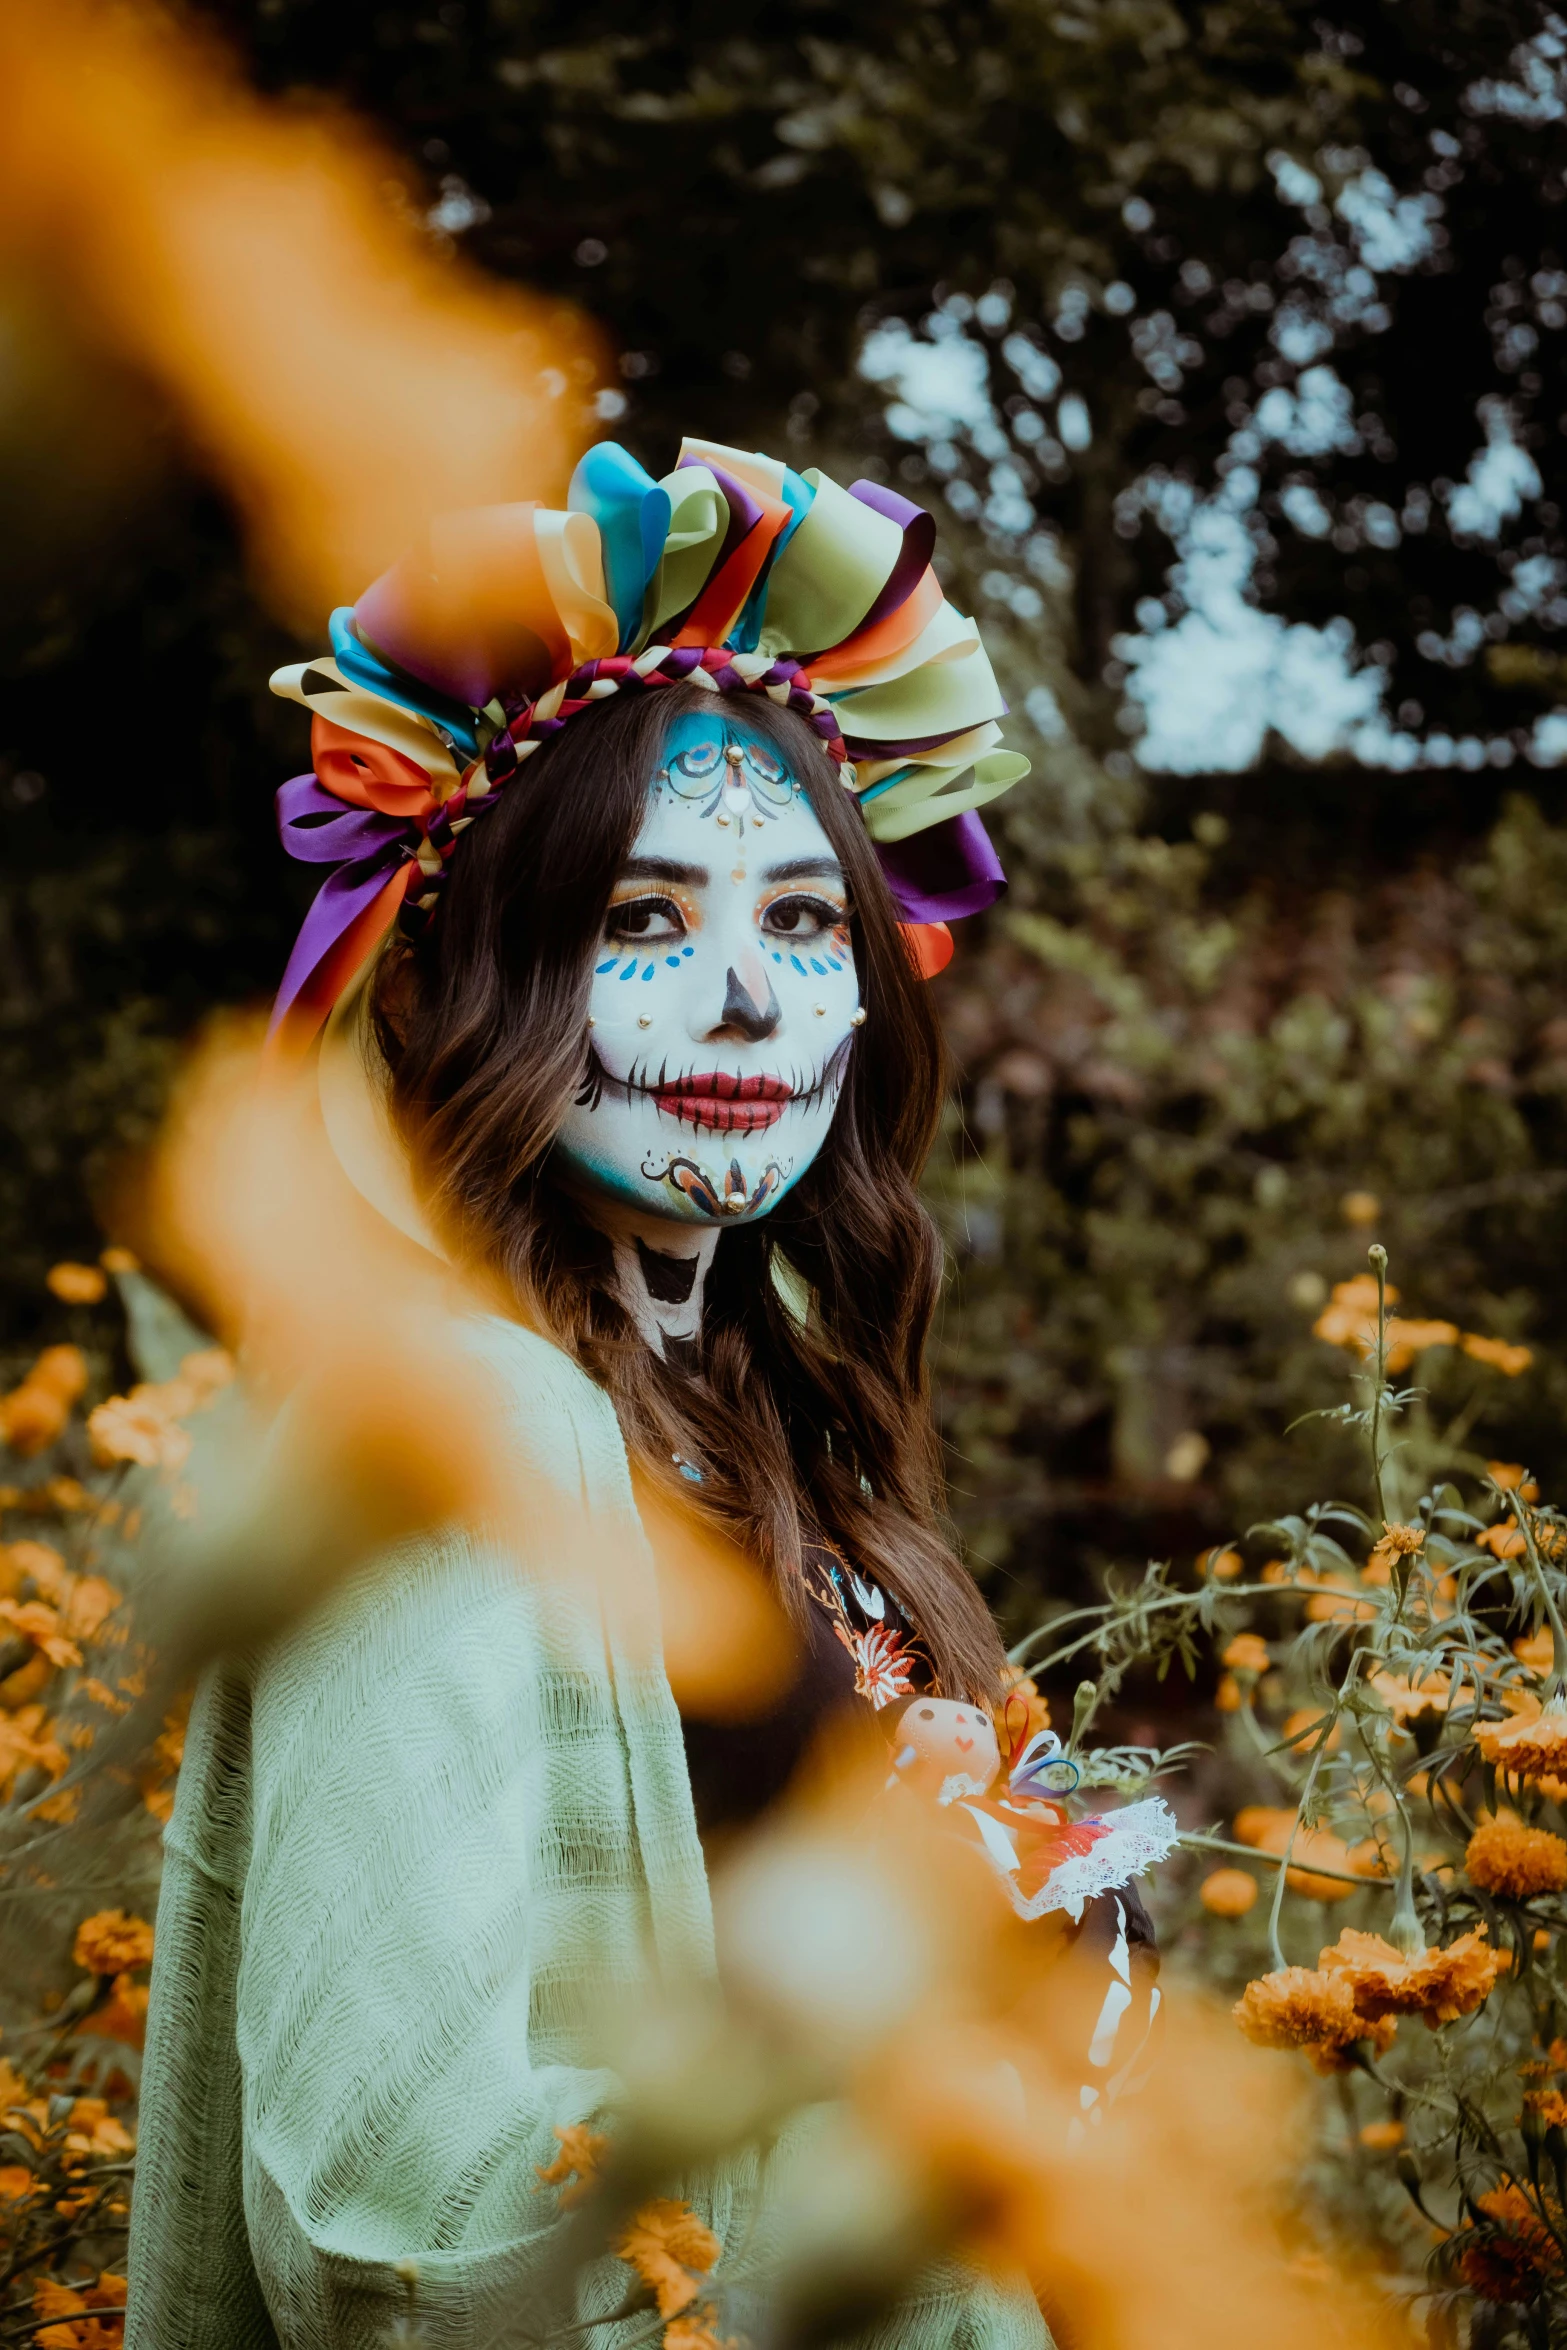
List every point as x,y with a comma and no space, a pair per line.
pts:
657,1042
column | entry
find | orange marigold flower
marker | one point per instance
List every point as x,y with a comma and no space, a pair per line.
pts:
694,2331
138,1428
31,1418
1512,1477
1247,1653
1439,1985
1350,1316
111,1943
1302,2007
1222,1564
123,2016
26,1739
62,1370
77,1285
1307,1722
1270,1829
1228,1893
206,1371
1509,1360
36,1621
92,1601
1329,1606
670,2249
1382,2137
1395,1543
1503,1540
1517,1862
119,1260
1517,2255
1550,2105
1538,1652
47,1569
1532,1745
1227,1696
1406,1700
580,2158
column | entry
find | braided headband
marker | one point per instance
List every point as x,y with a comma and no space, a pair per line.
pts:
735,574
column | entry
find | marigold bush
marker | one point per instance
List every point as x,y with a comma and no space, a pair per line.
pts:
1404,1755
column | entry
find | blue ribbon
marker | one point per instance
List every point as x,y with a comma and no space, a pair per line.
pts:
367,669
632,514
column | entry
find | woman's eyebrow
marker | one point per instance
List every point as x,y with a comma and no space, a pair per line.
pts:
823,868
665,869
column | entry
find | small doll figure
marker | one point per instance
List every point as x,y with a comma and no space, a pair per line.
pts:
1046,1859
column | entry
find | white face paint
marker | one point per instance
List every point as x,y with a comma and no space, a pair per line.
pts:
724,993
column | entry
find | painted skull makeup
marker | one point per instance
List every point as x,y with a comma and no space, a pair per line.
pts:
724,995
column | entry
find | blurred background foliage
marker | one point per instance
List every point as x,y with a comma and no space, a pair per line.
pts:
1227,343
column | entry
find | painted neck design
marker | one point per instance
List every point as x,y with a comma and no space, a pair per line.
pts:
661,1271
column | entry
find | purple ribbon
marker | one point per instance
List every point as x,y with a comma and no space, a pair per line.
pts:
945,873
317,828
919,544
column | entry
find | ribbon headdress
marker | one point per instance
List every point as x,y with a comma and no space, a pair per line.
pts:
733,573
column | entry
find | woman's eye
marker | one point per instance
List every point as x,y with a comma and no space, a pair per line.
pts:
799,917
646,919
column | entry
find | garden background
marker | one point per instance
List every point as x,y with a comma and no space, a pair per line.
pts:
1227,346
1227,343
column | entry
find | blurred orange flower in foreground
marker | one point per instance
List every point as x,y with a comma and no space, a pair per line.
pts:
576,2166
671,2251
77,1285
345,381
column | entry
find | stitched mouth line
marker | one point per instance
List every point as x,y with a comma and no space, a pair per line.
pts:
719,1101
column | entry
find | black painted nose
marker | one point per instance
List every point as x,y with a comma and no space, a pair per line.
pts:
751,1019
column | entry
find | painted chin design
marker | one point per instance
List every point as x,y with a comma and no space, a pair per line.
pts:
730,1195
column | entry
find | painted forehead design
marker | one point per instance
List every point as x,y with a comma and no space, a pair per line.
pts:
708,760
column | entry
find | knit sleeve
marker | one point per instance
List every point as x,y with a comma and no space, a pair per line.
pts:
436,1775
193,2284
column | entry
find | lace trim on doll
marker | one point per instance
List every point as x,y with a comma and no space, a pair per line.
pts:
1141,1836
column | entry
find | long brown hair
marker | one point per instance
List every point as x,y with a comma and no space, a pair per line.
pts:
822,1412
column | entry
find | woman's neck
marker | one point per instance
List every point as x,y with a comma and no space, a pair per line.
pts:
661,1271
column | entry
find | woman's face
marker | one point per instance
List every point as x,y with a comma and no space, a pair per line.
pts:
724,992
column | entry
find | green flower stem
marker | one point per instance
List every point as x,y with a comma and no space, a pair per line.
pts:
1275,1946
1378,1258
1558,1680
1274,1860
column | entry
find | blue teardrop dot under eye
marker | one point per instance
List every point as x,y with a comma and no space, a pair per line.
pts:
821,967
673,961
688,951
777,958
630,968
799,966
599,969
837,966
648,973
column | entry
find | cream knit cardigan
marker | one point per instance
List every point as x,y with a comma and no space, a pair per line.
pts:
416,1844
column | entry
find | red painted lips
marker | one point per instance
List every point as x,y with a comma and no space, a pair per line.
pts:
726,1104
